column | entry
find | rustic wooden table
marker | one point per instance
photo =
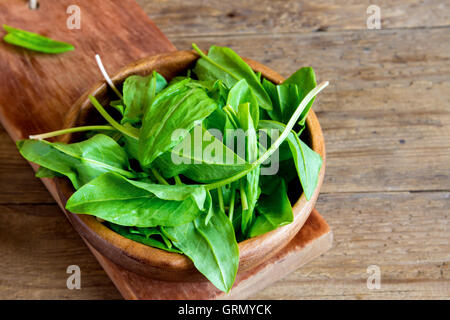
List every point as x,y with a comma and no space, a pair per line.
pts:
386,119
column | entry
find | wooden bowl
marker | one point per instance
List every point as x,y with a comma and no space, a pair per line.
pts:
153,262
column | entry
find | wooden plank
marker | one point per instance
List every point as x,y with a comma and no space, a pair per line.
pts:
40,89
37,246
219,18
33,79
406,234
402,73
385,115
17,180
411,247
360,59
37,89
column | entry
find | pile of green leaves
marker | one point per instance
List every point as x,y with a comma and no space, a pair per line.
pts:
123,172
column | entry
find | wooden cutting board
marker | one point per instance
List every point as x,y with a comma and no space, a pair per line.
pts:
37,90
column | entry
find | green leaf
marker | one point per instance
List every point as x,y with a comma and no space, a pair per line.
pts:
285,99
80,162
200,157
138,93
271,89
212,247
144,236
34,41
224,64
275,145
219,92
307,161
118,105
125,129
241,93
177,107
116,199
274,210
268,183
250,183
46,173
289,100
218,120
131,146
305,79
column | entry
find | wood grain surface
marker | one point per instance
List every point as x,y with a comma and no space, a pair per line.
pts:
386,120
30,89
314,239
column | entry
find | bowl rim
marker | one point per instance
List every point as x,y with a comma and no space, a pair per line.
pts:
111,243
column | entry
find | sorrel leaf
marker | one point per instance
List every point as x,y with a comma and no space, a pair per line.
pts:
138,93
224,64
200,157
274,210
212,247
80,162
34,41
116,199
177,107
307,161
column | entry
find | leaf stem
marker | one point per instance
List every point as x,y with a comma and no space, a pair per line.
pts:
229,111
204,56
231,210
244,200
106,76
277,142
220,196
177,180
126,131
199,51
159,177
69,130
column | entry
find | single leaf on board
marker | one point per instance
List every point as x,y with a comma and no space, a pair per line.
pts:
34,41
224,64
212,247
179,106
80,162
113,198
